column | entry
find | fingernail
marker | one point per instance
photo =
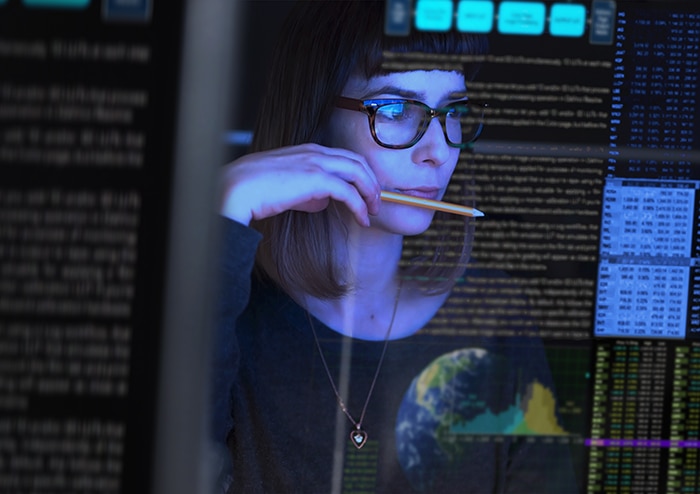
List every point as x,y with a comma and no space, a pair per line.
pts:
377,202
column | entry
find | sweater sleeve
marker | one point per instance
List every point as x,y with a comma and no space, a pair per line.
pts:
237,255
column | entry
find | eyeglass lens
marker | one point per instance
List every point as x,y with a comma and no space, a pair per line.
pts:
397,124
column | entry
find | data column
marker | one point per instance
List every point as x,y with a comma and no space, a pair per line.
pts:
600,413
645,259
684,462
645,434
626,446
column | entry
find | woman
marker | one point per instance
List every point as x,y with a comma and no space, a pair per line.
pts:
326,349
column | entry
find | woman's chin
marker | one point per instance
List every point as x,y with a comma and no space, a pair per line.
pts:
406,220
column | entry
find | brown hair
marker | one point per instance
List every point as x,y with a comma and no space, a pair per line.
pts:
321,44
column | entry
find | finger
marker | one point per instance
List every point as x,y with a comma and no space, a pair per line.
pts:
333,159
301,177
311,195
351,168
358,158
340,191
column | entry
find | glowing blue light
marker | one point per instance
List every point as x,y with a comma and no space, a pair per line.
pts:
567,20
525,18
434,15
58,4
475,16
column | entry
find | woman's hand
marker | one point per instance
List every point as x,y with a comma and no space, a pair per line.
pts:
301,178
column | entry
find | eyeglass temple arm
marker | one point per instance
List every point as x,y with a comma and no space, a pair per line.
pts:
349,103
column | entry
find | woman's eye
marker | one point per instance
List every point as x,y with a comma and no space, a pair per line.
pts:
393,112
457,109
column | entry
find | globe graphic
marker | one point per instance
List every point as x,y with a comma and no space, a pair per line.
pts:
457,394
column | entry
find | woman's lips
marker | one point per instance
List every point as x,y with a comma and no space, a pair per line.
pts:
423,192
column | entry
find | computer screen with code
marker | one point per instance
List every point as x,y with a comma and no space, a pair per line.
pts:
98,392
587,170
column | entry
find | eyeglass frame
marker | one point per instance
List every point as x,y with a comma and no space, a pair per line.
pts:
370,106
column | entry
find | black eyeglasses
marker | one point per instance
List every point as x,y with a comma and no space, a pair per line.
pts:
400,123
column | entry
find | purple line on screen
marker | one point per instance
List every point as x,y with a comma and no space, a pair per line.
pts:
642,443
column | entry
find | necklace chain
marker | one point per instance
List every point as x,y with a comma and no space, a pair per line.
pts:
359,438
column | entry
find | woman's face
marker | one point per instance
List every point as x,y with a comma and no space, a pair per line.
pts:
422,170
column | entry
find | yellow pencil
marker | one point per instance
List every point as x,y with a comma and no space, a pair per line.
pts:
430,204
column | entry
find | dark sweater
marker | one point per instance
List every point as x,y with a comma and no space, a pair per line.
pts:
278,414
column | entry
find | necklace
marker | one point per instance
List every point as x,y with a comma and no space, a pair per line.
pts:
358,436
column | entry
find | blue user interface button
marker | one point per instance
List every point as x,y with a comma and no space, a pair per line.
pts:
57,4
567,20
132,10
398,18
434,15
602,22
527,18
475,16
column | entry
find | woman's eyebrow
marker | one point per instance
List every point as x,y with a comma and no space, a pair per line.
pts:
457,95
410,94
395,90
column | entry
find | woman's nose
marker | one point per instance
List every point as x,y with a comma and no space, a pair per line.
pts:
432,148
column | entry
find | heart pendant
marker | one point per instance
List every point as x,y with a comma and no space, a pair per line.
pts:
358,437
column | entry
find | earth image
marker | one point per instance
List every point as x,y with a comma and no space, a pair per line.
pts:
456,396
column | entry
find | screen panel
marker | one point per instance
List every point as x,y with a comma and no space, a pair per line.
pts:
98,393
586,172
